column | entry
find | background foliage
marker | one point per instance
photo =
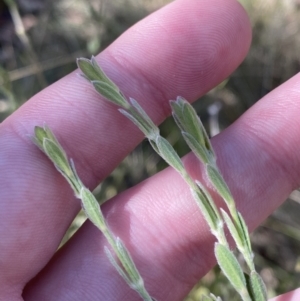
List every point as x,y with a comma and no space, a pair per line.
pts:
55,33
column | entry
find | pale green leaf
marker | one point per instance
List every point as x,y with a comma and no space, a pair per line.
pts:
136,281
177,107
180,101
177,120
207,207
233,231
245,231
138,122
168,153
128,263
230,267
47,142
192,124
188,121
93,72
196,147
196,127
258,289
101,74
40,133
39,136
76,183
51,136
91,208
240,234
145,117
72,165
86,67
117,266
209,198
57,156
110,93
218,182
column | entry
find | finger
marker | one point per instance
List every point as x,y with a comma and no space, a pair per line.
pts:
160,223
290,296
197,53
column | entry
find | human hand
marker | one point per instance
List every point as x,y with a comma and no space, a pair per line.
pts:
179,50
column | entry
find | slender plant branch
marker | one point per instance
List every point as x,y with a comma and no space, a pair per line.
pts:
250,287
48,143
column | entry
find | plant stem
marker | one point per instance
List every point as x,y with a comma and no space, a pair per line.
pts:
197,138
48,143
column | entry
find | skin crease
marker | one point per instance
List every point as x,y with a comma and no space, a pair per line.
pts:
179,50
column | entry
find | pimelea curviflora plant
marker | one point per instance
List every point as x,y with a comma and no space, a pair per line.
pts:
248,284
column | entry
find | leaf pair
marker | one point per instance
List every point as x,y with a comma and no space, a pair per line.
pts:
102,84
192,129
48,143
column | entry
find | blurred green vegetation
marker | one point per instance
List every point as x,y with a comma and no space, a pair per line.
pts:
43,47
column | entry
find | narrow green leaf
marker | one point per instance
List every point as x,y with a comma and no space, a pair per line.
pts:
197,148
207,207
196,126
233,231
72,165
87,68
145,117
110,93
245,231
177,121
76,183
143,127
117,266
177,113
218,182
39,135
93,72
91,208
188,121
240,234
57,156
51,136
168,153
128,263
176,107
135,280
193,125
209,198
207,211
258,289
47,142
183,118
230,267
102,76
180,101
